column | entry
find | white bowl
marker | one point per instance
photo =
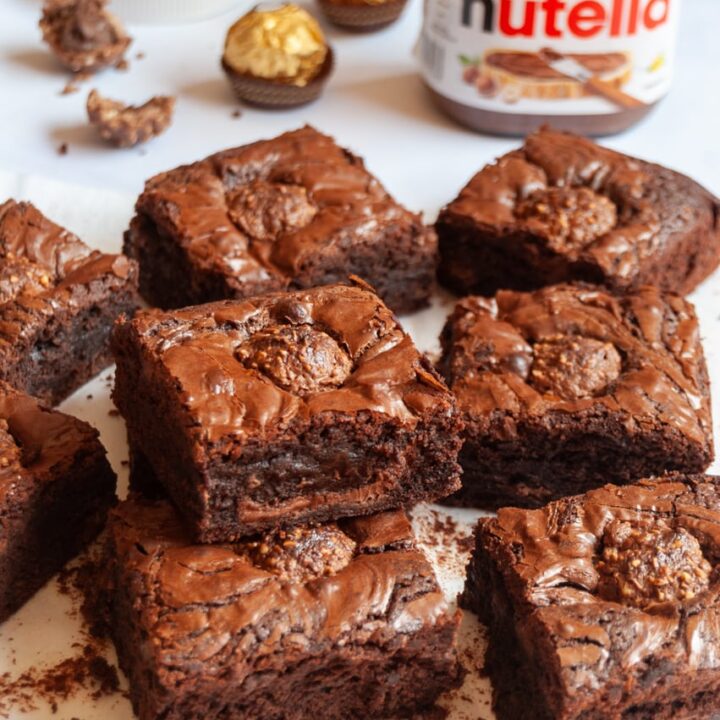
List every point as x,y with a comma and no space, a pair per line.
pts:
156,12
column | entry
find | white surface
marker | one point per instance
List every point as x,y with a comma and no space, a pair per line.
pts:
375,105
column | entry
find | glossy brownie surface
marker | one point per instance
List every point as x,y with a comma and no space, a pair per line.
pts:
278,623
562,208
309,404
58,299
579,387
293,211
613,593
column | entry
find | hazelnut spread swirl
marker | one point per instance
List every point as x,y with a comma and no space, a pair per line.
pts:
615,585
285,44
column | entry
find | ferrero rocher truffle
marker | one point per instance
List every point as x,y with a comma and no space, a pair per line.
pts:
127,125
363,15
277,57
82,34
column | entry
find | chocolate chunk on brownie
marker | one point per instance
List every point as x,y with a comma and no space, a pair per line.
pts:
56,487
284,408
58,302
604,605
296,211
342,620
563,209
568,387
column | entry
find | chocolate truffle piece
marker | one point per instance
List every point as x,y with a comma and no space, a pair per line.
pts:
603,605
569,387
58,302
277,57
56,487
283,409
127,125
563,209
362,15
289,626
294,211
82,34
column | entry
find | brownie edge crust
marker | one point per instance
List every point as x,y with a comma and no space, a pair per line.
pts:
335,621
604,606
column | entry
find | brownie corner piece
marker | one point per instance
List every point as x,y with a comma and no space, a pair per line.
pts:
568,387
282,626
285,408
563,209
603,605
58,302
56,487
295,211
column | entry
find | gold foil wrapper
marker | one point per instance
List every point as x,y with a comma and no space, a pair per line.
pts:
286,44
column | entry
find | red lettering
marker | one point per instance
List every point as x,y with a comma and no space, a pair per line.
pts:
551,8
617,17
634,16
587,18
528,26
653,17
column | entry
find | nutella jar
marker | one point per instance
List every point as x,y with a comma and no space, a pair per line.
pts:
507,66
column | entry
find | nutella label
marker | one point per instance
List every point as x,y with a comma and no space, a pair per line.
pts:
549,57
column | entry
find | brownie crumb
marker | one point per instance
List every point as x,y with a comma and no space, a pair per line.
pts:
86,670
125,463
122,65
140,55
236,113
62,149
114,412
90,396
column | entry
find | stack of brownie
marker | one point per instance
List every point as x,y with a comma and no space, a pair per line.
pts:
263,565
58,302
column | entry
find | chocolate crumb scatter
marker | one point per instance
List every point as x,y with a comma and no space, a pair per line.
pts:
236,113
62,149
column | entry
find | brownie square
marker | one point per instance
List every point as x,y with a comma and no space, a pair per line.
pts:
335,621
58,302
568,387
284,408
293,212
562,209
56,487
605,605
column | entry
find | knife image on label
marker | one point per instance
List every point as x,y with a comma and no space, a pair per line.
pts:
573,69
